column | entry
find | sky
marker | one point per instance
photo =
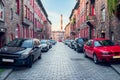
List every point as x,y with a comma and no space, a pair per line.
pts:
55,8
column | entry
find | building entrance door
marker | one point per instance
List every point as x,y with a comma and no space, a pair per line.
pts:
2,39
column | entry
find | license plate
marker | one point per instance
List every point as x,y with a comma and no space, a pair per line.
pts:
116,56
7,60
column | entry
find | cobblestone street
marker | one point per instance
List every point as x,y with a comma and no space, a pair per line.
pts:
63,63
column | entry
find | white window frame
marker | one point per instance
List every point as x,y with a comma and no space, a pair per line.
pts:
103,14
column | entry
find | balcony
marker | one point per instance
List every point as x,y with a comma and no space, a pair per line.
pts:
38,30
25,21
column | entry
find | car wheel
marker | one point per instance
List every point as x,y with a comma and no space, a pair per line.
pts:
39,56
77,50
95,59
30,61
85,55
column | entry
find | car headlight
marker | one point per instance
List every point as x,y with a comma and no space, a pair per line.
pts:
23,56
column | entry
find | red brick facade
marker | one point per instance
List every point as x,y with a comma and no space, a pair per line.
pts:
22,19
94,20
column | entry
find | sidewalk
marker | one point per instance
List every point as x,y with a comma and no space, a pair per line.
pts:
5,74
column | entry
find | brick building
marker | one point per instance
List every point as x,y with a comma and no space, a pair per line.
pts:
58,35
96,18
22,19
67,31
82,19
10,20
108,20
47,30
72,22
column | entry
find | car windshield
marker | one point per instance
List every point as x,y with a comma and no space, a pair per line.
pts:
103,43
80,41
43,42
21,43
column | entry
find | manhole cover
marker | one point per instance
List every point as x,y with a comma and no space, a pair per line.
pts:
77,59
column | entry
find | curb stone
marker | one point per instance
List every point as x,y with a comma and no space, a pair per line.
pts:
5,74
116,68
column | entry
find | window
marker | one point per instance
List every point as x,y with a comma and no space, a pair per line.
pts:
103,43
103,14
28,13
93,10
16,32
27,44
97,43
89,43
18,27
25,11
27,32
17,7
11,14
1,11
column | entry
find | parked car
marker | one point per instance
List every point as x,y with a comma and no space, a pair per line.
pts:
50,44
44,45
21,52
79,44
101,50
67,42
53,42
71,45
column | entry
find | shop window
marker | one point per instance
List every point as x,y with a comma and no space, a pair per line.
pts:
1,11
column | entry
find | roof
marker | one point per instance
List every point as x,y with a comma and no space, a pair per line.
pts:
75,7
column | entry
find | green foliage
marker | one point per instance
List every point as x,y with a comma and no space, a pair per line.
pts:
112,6
73,20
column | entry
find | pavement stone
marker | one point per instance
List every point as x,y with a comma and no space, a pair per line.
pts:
63,63
116,67
5,73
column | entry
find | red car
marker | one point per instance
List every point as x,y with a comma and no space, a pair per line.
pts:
101,50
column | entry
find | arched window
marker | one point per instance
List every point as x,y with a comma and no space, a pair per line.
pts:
1,11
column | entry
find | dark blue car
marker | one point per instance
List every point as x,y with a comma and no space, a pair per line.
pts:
21,52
